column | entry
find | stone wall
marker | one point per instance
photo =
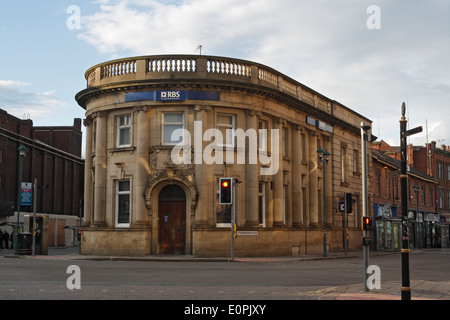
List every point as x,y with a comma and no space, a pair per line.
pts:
115,242
217,243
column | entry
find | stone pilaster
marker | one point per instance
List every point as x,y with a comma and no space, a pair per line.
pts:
201,169
142,164
313,180
297,193
252,171
100,171
278,181
87,219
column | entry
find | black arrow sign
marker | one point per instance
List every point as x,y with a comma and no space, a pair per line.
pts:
414,131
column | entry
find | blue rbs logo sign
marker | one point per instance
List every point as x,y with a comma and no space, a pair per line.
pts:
171,95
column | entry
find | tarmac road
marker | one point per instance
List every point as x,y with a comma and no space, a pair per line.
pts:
186,278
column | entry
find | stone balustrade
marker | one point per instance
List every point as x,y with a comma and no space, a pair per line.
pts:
192,66
124,72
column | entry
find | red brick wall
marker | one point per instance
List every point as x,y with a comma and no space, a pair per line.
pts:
59,170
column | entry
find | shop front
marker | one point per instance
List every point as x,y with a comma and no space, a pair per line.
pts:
416,229
387,228
436,231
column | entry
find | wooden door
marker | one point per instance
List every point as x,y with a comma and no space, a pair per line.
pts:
172,222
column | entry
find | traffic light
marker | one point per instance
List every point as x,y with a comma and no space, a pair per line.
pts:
348,202
367,223
226,194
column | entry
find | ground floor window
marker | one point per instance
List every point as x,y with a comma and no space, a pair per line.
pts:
261,203
223,211
123,203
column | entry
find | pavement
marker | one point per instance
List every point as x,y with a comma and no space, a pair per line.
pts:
420,289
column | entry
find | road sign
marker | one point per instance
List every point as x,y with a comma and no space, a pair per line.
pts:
247,233
414,131
25,193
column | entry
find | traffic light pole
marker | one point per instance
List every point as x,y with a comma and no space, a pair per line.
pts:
348,198
364,138
233,222
345,225
227,192
235,183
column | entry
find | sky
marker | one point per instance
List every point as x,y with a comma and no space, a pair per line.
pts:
369,55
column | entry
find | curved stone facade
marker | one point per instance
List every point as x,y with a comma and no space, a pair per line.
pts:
152,189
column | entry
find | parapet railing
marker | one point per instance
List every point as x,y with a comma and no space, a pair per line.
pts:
201,67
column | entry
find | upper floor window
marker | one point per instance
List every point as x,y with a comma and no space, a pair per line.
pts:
262,136
396,196
303,147
285,141
423,194
226,125
448,198
430,195
441,199
124,131
440,170
344,178
377,181
355,161
170,123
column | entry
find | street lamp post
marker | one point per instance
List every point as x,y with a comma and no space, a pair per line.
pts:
22,153
324,157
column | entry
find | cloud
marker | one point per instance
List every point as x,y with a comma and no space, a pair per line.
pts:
25,104
12,84
325,45
153,27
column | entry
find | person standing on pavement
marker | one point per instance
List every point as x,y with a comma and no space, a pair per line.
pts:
1,239
6,238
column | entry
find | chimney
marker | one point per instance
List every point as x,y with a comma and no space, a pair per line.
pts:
77,123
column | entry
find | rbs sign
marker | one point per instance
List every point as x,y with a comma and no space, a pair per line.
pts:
171,95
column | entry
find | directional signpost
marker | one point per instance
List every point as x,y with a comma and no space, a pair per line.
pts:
405,289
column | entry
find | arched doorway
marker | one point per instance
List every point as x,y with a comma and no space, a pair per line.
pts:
172,220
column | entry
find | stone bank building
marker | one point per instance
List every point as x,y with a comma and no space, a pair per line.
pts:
140,201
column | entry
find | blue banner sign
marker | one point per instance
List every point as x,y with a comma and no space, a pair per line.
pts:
172,95
25,193
319,124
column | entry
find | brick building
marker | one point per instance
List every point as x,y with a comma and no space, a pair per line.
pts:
425,229
436,162
53,157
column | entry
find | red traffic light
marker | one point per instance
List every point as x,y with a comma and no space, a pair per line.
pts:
367,223
225,194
